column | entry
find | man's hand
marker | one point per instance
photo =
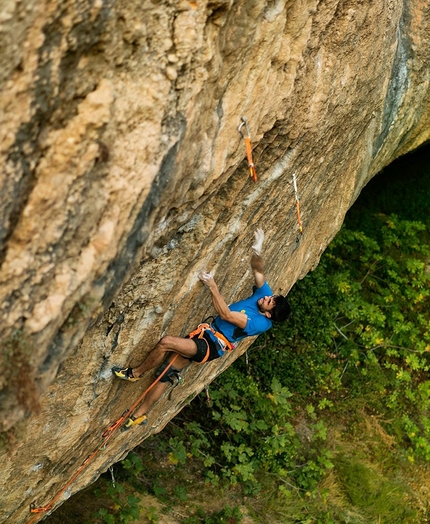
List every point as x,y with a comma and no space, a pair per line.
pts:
206,278
234,317
257,247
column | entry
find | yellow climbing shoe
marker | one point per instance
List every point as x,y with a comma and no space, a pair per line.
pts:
131,422
124,374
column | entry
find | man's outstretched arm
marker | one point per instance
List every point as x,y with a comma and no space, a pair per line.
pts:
256,259
234,317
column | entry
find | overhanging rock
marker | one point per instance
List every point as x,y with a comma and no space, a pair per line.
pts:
124,175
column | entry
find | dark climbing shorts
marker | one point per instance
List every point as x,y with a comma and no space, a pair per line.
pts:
202,349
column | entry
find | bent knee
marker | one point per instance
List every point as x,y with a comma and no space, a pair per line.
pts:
167,342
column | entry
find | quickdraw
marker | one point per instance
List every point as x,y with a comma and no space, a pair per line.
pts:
247,138
296,194
208,397
105,437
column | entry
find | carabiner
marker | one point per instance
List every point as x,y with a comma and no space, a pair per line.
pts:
244,123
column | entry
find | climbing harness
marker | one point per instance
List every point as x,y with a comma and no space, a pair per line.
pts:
247,138
296,194
225,344
105,437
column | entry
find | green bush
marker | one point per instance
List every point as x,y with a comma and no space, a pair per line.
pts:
251,431
122,509
225,516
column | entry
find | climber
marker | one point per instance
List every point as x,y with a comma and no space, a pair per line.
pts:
245,318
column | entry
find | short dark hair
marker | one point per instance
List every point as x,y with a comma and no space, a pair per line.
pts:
282,309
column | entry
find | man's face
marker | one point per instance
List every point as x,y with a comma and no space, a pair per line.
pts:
266,304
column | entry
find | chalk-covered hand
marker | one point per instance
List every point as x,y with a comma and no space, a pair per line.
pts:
206,278
257,247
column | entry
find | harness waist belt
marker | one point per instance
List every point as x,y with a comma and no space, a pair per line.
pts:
224,342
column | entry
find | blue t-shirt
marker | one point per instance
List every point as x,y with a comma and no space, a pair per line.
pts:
257,323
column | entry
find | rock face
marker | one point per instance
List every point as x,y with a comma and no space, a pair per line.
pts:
123,175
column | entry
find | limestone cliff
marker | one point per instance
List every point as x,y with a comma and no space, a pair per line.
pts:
123,175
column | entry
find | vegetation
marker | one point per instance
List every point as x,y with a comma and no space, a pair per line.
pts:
327,419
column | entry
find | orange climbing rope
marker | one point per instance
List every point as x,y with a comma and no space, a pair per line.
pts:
296,194
106,436
247,138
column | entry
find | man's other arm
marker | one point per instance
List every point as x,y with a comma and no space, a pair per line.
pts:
257,265
258,269
234,317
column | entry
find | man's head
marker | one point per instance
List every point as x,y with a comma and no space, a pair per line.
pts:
275,307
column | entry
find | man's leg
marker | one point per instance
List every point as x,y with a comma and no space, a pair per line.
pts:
184,347
139,416
156,392
150,399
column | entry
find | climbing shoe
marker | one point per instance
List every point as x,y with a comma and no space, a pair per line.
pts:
124,374
131,422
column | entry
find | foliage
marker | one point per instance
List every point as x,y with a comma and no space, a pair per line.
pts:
251,431
361,328
133,464
152,514
225,516
122,509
